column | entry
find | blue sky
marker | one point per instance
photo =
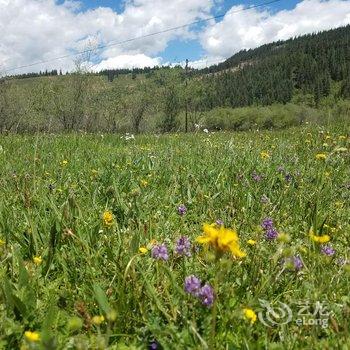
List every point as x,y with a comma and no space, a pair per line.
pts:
178,50
42,30
118,5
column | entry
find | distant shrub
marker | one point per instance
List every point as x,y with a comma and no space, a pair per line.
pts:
276,116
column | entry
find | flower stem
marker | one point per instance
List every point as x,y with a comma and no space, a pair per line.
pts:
215,308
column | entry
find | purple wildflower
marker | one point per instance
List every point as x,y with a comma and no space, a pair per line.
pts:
271,234
160,252
328,250
256,177
270,231
192,285
219,222
298,263
183,246
206,295
267,224
181,209
153,345
288,177
342,262
293,263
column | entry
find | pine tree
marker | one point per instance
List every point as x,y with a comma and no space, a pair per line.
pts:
345,88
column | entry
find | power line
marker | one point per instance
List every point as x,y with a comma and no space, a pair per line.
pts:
111,44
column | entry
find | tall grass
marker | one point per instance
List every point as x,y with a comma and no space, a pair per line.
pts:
55,189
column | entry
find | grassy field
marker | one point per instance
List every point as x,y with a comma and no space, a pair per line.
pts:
99,244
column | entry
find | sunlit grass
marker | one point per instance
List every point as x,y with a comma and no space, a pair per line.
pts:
80,216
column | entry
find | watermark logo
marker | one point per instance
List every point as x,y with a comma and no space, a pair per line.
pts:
313,314
308,314
276,314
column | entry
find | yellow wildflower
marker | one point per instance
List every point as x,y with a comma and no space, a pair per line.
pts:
37,260
222,239
250,315
32,336
319,239
251,242
64,162
321,156
97,320
112,315
144,183
108,218
143,250
2,242
264,155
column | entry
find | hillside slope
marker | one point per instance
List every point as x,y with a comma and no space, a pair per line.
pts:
295,77
275,72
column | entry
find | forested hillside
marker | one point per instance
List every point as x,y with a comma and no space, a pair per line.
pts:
275,72
274,86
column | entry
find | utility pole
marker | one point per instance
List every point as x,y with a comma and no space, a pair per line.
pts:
186,115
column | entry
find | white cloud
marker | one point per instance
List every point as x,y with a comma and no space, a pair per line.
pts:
201,63
36,30
128,61
252,28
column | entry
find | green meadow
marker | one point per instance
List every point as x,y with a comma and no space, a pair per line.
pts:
90,256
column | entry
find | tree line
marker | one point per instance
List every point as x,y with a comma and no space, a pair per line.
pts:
312,70
310,64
